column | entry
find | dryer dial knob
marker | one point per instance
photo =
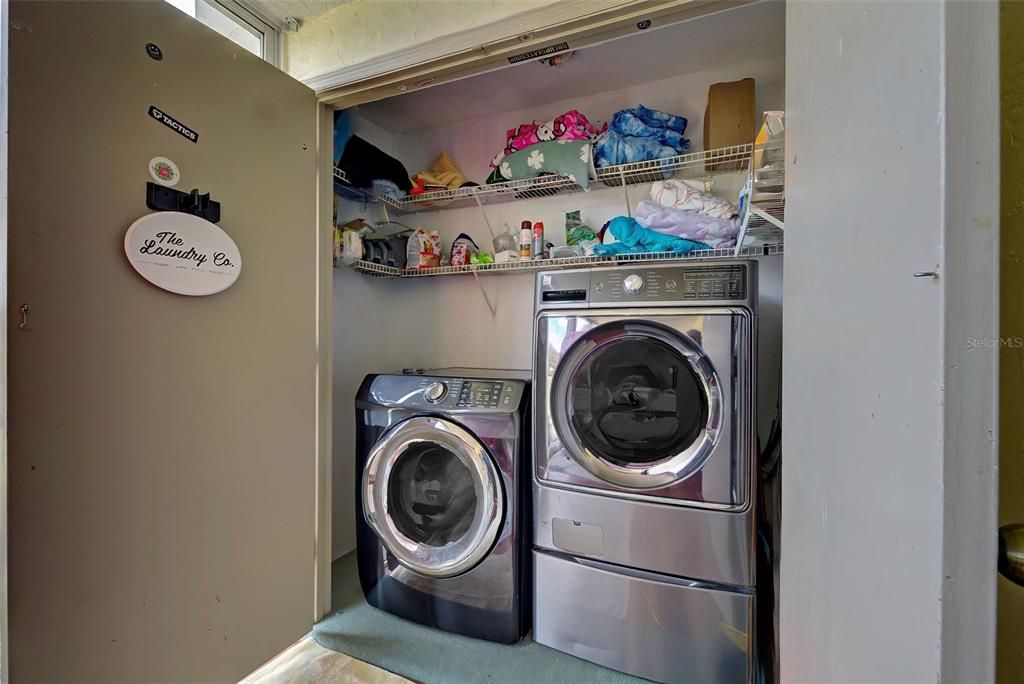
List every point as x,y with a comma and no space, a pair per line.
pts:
633,284
435,392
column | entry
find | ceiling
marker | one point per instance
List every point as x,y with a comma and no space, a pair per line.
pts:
302,10
754,32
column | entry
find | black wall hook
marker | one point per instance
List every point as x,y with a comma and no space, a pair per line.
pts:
161,198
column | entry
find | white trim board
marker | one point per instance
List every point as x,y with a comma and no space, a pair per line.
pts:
969,276
582,23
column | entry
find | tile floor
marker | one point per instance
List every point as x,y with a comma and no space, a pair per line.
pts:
306,662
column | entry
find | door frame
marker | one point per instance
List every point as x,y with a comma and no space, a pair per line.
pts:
970,278
322,552
4,71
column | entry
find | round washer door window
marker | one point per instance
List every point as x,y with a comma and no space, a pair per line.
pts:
432,494
637,404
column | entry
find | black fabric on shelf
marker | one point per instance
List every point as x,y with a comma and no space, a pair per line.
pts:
364,163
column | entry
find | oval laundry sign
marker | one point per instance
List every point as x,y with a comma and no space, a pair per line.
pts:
182,253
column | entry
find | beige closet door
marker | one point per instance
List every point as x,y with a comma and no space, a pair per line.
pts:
162,447
1010,606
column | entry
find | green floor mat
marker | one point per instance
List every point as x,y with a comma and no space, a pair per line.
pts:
435,657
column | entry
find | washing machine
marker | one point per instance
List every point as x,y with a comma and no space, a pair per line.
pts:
644,466
442,499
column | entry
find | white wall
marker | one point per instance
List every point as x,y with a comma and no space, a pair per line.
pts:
389,325
363,29
474,143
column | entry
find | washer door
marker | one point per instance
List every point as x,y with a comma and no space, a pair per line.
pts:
433,495
637,404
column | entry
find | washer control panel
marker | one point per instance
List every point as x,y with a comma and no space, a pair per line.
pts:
633,283
434,393
666,284
484,394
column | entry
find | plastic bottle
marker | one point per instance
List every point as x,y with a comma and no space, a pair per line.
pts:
538,240
506,246
525,237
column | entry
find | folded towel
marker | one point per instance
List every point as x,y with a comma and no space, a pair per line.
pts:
680,194
443,171
613,148
633,238
561,157
717,232
652,117
629,122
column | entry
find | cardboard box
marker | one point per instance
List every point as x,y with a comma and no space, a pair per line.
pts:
730,118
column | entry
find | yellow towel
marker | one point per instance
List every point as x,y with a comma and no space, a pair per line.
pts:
443,171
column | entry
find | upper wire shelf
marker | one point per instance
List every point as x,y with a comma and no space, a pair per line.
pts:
341,182
687,166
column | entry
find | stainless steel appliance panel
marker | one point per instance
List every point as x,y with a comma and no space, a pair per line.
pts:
717,546
724,336
642,624
649,285
487,600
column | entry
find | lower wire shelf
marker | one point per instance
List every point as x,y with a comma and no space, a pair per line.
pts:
382,271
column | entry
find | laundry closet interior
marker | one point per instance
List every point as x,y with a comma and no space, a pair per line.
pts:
483,317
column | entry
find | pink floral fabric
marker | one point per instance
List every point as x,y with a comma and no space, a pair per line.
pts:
569,126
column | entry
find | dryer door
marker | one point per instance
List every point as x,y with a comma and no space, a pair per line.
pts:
637,403
433,495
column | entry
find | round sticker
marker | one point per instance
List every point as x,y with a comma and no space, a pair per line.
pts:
182,253
164,171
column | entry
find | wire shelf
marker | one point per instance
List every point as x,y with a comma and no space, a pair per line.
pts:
767,217
693,165
345,187
509,191
513,267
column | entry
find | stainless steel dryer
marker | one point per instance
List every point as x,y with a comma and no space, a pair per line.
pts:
442,499
644,456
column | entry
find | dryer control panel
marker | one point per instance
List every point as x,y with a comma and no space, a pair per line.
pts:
650,285
682,283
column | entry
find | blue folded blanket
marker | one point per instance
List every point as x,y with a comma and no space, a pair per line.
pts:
641,134
634,238
650,123
612,148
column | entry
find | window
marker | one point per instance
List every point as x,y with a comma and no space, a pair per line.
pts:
236,23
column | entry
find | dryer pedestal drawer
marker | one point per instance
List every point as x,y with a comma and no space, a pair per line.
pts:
715,546
641,624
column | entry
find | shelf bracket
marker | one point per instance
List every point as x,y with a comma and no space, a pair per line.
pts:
745,195
491,306
487,222
625,191
767,217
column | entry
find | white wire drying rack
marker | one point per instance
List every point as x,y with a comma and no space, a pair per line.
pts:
693,165
762,220
565,263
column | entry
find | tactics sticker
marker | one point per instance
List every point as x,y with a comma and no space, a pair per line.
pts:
173,124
